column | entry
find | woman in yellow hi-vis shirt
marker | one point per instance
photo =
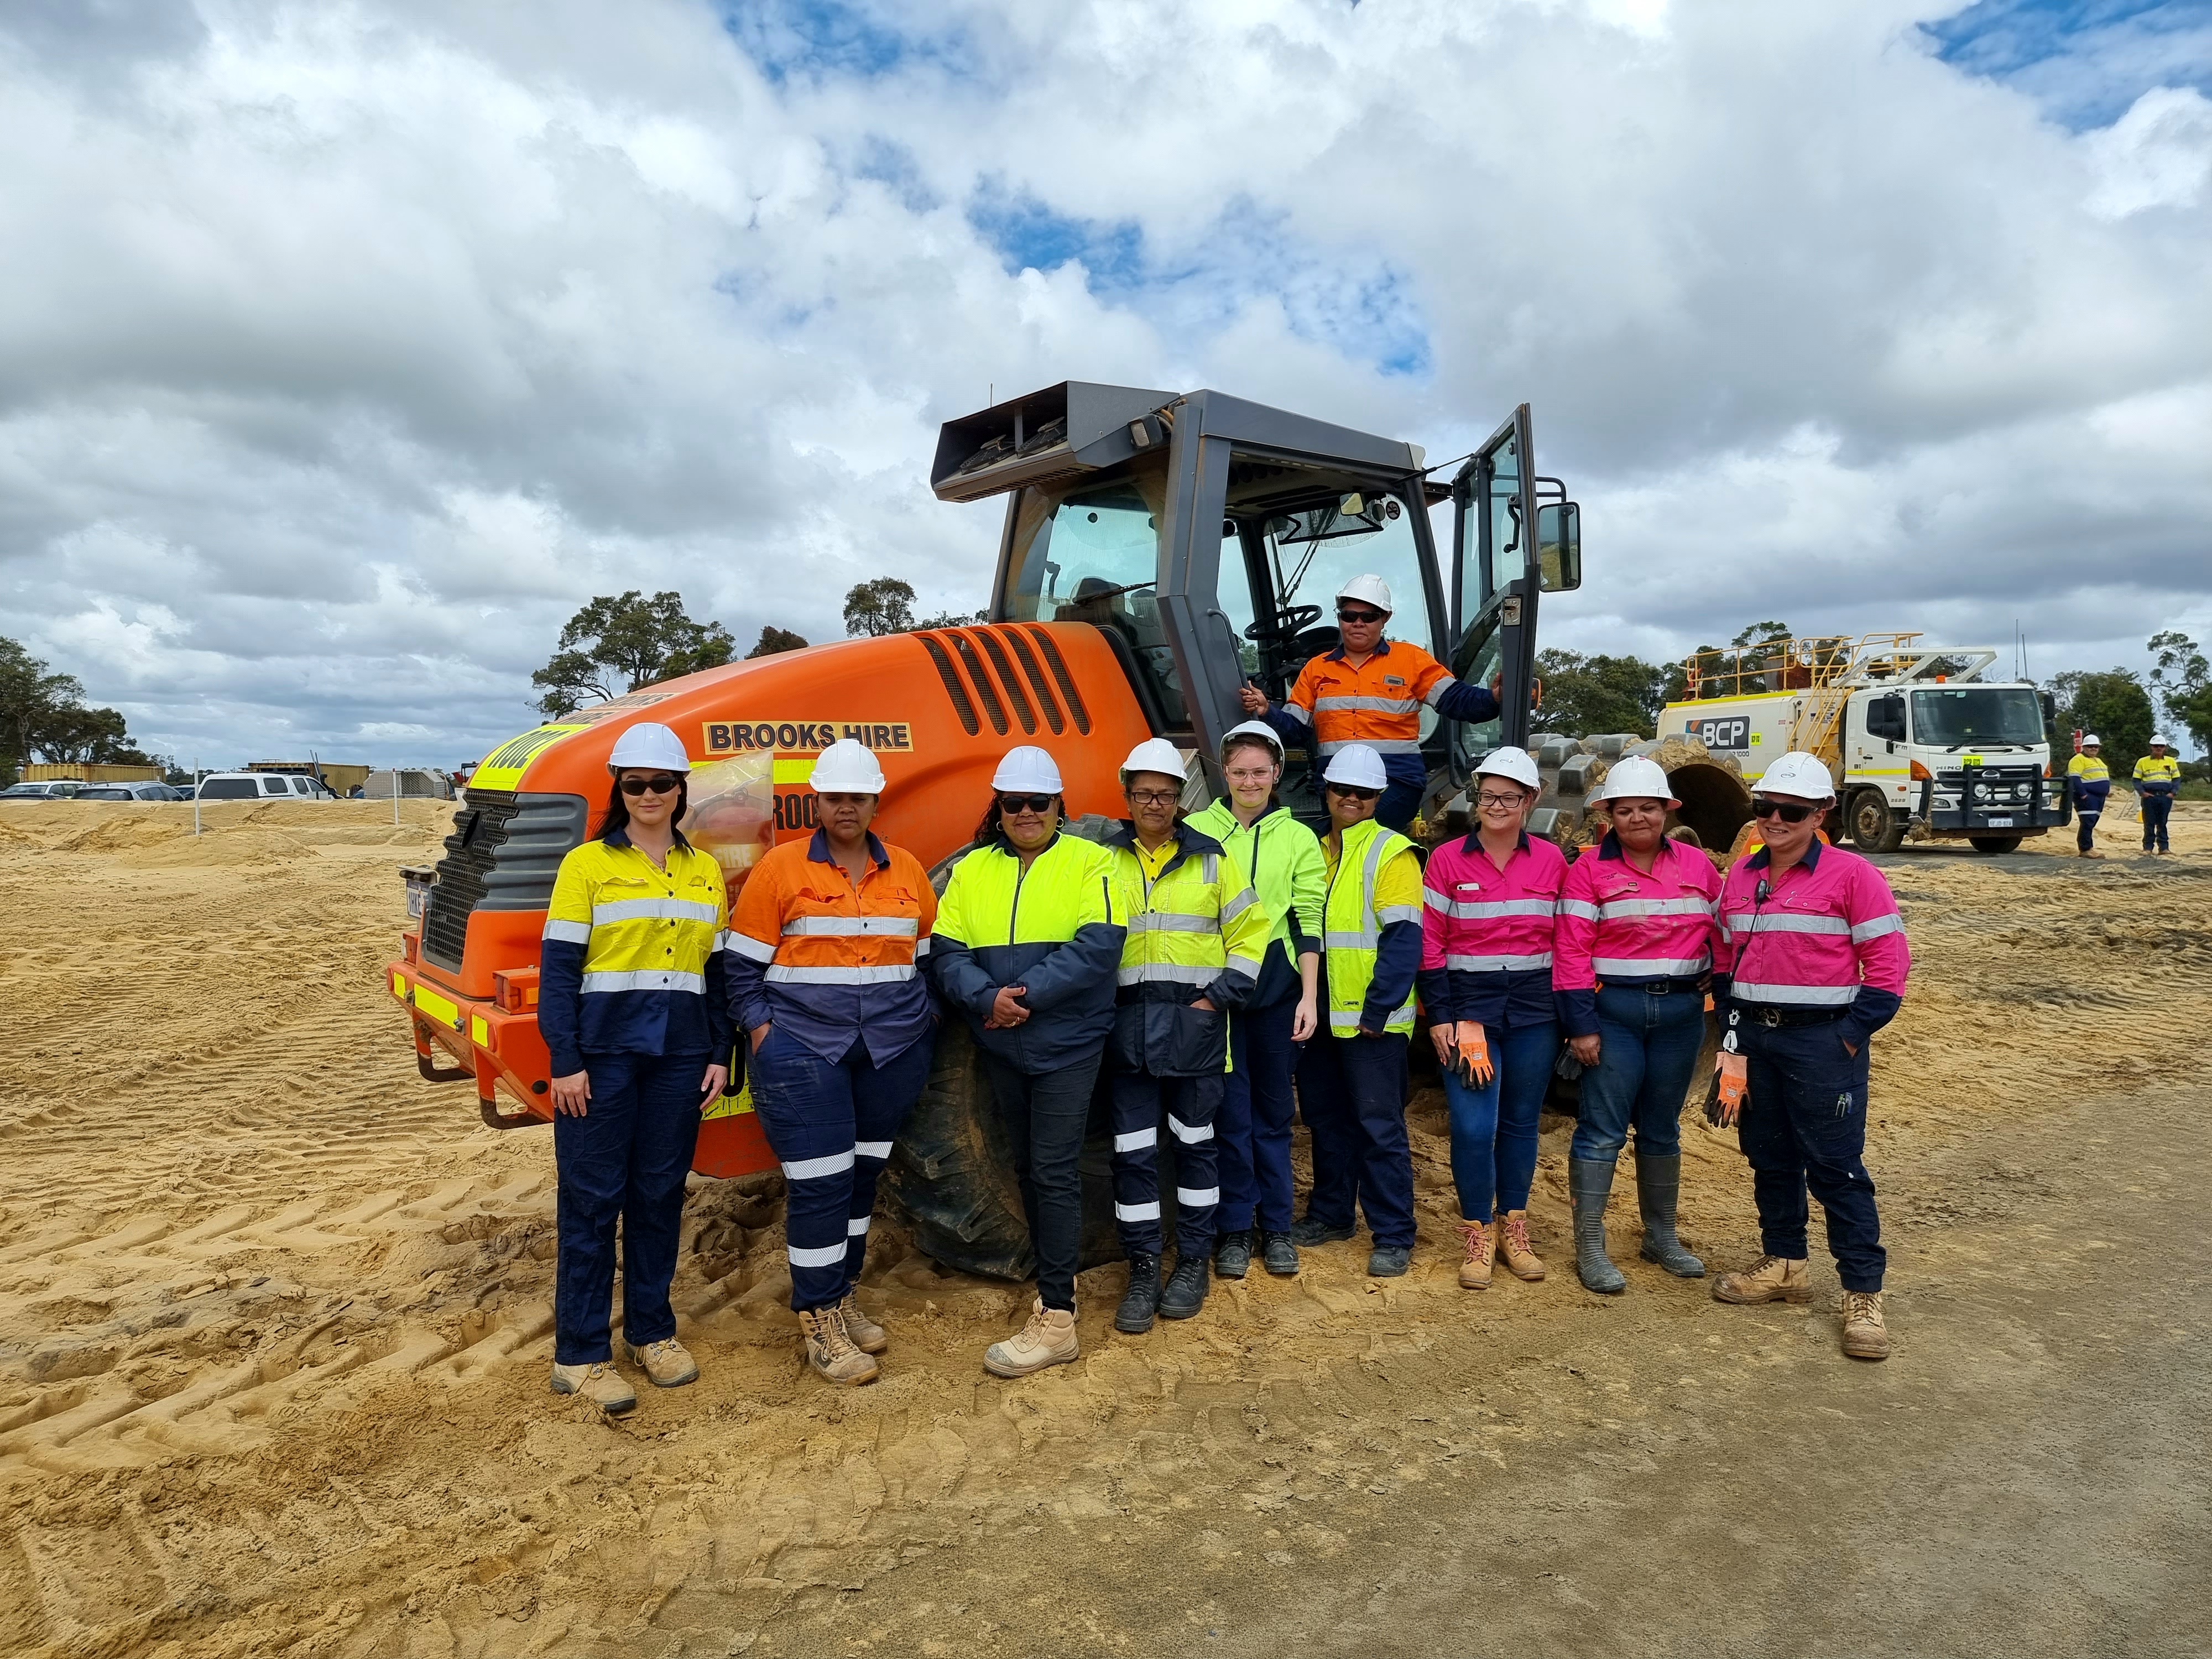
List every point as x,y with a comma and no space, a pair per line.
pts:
2091,780
2158,781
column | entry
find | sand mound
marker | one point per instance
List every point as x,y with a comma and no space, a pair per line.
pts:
125,833
246,848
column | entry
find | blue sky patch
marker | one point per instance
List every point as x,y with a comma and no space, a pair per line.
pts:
817,39
2085,61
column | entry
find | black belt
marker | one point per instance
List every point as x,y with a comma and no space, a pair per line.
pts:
1772,1017
1657,988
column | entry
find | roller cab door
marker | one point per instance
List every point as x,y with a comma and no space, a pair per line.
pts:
1494,585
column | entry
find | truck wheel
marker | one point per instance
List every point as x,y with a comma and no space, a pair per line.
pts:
952,1175
1994,844
1875,828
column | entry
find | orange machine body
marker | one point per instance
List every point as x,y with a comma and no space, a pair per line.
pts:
939,707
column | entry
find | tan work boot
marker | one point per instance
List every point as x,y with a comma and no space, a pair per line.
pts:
1770,1279
2087,852
601,1384
1048,1339
667,1362
831,1352
1865,1336
1513,1247
1481,1249
867,1336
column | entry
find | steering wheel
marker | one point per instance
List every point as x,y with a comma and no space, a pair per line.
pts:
1291,620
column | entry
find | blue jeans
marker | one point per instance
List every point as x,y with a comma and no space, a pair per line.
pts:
832,1125
1648,1048
1351,1092
1254,1123
1493,1128
1804,1127
624,1160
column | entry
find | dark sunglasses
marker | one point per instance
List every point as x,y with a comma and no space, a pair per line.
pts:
1362,616
1761,808
1025,803
660,783
1354,791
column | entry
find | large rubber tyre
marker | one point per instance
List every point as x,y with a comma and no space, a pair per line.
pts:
1993,845
950,1178
1873,826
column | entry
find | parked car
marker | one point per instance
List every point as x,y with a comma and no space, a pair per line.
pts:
131,791
262,786
46,789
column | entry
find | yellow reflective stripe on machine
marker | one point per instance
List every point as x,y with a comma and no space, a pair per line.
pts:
429,1002
479,1032
795,771
399,986
504,767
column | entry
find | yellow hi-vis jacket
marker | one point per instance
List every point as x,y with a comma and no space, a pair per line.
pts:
1360,912
1196,930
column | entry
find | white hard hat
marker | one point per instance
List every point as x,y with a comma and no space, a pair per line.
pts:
1261,730
848,767
1805,776
650,743
1636,778
1028,770
1153,755
1370,589
2158,740
1512,763
1358,766
2093,741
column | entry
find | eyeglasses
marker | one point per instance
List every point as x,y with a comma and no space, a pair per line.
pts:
1763,808
1152,797
1362,617
1025,803
1486,798
1354,791
660,783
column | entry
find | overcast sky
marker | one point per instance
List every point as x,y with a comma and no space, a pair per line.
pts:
345,349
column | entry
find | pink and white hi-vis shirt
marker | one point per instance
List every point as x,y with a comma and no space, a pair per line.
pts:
1486,933
1619,924
1826,934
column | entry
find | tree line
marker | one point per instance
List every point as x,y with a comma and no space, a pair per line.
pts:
43,717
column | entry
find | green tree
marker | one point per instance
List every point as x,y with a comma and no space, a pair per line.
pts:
618,645
43,717
774,640
2114,705
2183,680
954,619
1584,695
884,606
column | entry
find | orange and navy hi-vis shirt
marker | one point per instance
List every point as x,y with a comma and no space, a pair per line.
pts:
1378,704
827,963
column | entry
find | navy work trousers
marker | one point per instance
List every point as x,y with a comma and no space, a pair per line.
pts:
1400,800
1045,1116
1351,1091
1647,1047
1493,1128
1254,1126
1189,1106
623,1161
831,1123
1804,1127
2156,809
2085,826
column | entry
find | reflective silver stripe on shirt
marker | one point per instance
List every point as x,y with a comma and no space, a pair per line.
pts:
1613,910
1391,913
1168,921
1198,1198
1136,1140
822,1256
1747,925
853,927
1813,996
569,932
1497,964
650,979
1167,973
1137,1211
857,1226
891,974
1243,966
638,909
1436,692
749,947
871,1149
1369,705
1651,967
1892,923
1297,711
1237,906
1490,909
1350,941
921,946
1189,1133
812,1169
1581,908
719,945
1348,1019
1380,745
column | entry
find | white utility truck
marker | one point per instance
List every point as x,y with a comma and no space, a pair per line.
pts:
1921,746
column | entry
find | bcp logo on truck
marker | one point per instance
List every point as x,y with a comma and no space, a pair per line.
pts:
1721,732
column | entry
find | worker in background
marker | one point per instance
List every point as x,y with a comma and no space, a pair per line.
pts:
1351,1078
1490,904
1028,936
1281,859
1633,958
823,945
1197,935
631,1004
1811,962
2091,781
2158,781
1371,690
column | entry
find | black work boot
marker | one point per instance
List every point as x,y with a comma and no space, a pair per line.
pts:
1279,1253
1311,1231
1187,1287
1589,1184
1134,1315
1388,1261
1232,1254
1658,1184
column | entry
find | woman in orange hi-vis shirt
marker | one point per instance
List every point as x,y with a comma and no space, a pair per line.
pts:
821,958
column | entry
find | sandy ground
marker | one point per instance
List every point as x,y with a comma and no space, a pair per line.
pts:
275,1316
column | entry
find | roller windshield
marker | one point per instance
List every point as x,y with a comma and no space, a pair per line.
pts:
1952,717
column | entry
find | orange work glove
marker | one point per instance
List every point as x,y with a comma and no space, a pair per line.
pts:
1472,1058
1736,1076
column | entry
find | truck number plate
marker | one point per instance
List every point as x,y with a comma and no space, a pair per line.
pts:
2000,823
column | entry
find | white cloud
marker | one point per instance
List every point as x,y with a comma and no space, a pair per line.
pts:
2157,155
